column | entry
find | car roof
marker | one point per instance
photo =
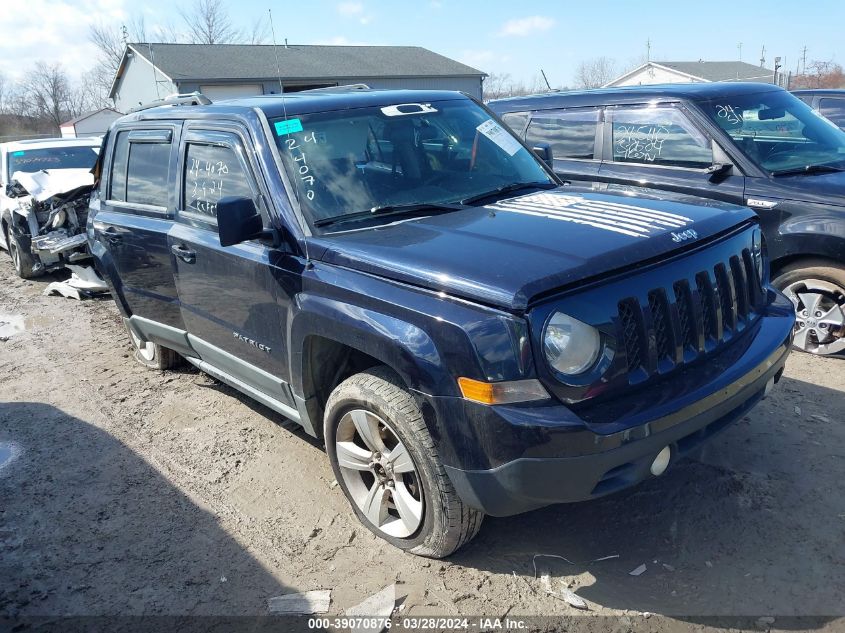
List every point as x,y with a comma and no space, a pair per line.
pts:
624,94
42,143
305,102
821,91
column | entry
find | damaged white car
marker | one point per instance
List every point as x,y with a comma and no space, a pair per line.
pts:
47,184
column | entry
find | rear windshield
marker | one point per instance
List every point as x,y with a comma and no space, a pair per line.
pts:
353,161
32,160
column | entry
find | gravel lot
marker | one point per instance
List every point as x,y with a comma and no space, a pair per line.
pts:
128,491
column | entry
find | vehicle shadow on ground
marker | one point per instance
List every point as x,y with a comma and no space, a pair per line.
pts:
88,527
747,528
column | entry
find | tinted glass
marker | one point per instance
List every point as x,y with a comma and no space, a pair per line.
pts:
659,136
118,170
33,160
516,121
147,173
833,109
570,133
778,131
212,172
351,161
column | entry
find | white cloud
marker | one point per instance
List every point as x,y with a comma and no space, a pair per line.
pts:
476,57
521,27
53,31
350,8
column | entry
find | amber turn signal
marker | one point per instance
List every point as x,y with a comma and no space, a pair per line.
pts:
501,392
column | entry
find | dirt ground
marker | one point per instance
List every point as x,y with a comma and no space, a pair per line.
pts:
125,491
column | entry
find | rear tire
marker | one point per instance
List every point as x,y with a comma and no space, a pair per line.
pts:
151,354
817,289
22,259
415,506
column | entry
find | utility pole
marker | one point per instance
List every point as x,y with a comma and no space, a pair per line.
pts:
804,61
777,67
648,50
763,56
739,46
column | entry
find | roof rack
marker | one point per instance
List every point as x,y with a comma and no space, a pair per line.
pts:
344,88
188,98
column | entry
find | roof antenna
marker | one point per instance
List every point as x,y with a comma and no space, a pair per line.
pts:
548,85
285,110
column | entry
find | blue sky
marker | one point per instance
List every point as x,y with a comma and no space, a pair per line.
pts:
517,38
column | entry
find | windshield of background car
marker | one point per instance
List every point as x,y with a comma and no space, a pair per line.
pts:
352,161
778,131
33,160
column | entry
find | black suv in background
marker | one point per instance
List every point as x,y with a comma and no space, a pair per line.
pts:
829,103
747,143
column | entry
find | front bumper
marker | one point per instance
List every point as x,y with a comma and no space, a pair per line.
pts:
558,457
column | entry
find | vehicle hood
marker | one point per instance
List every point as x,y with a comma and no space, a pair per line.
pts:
506,253
826,189
45,184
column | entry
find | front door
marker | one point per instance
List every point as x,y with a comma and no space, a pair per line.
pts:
660,147
235,299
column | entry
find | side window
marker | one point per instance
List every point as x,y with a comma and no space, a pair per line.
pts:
212,172
833,109
117,190
570,133
147,173
516,121
659,136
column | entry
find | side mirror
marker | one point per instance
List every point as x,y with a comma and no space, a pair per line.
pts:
543,151
238,220
717,170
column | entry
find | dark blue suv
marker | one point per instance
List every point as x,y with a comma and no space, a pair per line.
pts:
745,143
400,275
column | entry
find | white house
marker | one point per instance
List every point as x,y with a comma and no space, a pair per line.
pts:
94,123
694,72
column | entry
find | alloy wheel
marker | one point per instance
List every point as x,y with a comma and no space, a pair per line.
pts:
379,473
820,315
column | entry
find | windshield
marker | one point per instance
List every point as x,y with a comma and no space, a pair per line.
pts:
351,162
33,160
778,131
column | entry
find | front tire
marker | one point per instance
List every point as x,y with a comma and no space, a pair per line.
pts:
22,258
151,354
817,289
385,462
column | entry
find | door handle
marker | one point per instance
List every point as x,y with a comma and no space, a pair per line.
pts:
112,235
184,253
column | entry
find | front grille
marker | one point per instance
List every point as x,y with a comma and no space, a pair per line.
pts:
689,318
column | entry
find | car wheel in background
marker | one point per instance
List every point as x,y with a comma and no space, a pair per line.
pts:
151,354
817,289
385,462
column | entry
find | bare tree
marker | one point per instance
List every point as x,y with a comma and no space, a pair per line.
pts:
595,72
820,74
208,22
48,92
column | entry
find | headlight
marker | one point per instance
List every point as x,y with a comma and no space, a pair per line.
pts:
59,219
571,347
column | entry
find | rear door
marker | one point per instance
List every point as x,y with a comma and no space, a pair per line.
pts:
235,300
136,212
574,137
660,146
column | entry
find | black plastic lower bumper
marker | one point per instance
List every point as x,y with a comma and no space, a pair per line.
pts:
605,463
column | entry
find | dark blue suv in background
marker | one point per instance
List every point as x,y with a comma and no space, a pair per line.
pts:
749,144
400,275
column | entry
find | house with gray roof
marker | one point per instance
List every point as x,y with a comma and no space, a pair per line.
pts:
224,71
694,72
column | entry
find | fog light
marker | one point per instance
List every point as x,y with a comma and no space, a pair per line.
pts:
658,466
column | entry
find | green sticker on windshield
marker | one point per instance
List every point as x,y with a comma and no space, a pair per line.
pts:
288,127
20,153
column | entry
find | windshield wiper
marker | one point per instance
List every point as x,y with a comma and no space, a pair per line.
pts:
808,169
514,186
389,210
